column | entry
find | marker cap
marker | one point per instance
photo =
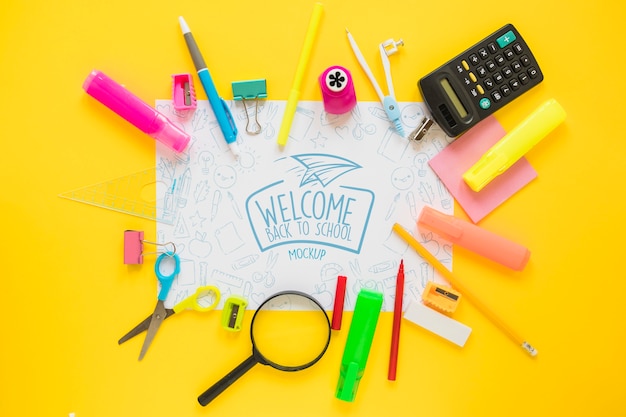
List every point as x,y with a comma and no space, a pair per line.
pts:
474,238
340,295
169,134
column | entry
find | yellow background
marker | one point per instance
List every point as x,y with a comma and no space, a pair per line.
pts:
67,297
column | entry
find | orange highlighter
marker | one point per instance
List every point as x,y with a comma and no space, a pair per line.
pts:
474,238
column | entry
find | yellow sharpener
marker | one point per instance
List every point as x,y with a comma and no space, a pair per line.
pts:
232,313
441,298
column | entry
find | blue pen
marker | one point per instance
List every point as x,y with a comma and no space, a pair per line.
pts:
219,106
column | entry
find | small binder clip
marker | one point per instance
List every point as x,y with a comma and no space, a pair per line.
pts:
232,314
133,247
183,93
250,90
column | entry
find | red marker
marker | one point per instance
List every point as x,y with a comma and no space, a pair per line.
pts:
340,295
397,320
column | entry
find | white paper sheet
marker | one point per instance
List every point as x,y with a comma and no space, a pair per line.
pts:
296,218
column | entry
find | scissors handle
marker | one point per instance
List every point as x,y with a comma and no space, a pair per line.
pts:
201,300
166,280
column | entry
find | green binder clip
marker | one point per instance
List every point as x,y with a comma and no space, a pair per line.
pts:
232,313
250,90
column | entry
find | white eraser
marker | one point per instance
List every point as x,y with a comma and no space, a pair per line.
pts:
438,323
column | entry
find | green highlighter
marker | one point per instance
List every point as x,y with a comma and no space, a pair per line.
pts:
360,336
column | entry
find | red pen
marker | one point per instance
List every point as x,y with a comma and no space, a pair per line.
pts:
397,320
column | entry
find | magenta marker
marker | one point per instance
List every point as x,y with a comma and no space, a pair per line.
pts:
135,111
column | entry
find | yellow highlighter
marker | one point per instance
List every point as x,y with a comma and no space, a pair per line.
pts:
514,145
305,55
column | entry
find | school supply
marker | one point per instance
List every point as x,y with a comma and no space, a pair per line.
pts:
441,298
340,295
451,163
204,299
289,340
219,106
135,111
133,247
233,312
480,80
159,314
474,238
439,267
335,169
337,87
303,62
183,93
358,343
397,322
515,144
133,194
390,105
250,90
438,323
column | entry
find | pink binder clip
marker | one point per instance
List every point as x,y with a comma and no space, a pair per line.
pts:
183,93
133,247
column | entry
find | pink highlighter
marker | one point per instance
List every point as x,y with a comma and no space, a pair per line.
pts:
474,238
135,111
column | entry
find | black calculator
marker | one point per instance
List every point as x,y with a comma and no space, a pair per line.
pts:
479,81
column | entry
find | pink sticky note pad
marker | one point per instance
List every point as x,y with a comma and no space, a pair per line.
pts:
451,163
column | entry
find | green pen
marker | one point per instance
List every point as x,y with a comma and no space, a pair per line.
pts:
358,344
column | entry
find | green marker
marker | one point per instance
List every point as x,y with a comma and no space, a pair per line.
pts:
360,336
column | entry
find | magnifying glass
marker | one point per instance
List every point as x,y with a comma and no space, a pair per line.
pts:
290,331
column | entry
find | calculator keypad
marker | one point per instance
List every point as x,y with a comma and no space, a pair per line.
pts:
498,69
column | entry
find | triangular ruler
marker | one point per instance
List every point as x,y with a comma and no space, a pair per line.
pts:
134,194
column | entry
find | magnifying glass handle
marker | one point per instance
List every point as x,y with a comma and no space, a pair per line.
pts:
219,387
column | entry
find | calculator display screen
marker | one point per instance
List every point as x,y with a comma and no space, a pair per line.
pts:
454,98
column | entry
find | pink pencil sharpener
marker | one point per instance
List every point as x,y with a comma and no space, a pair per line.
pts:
183,93
337,90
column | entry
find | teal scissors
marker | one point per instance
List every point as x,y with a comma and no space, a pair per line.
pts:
159,314
204,299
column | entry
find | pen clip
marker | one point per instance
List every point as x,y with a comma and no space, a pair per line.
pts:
231,121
